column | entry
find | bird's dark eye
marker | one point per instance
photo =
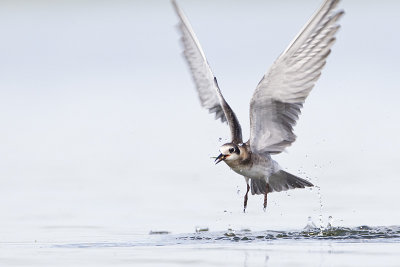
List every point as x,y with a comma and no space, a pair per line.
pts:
231,150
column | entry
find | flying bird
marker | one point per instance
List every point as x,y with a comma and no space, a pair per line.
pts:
276,103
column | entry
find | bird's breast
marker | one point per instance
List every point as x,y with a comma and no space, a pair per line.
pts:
255,171
258,167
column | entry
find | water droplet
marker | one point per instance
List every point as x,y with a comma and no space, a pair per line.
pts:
318,190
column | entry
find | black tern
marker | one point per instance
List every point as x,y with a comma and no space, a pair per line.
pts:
275,105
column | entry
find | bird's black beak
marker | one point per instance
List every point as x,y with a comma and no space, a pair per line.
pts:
219,158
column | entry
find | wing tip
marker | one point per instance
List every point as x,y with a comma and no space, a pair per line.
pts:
174,3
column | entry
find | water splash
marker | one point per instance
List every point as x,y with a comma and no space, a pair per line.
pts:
310,225
330,222
360,233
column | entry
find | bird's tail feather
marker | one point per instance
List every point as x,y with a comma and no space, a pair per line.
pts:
279,181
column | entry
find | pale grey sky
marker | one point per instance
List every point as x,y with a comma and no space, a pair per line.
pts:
97,96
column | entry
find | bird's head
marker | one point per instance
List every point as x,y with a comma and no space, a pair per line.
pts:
229,152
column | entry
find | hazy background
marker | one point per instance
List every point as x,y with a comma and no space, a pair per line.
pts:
101,127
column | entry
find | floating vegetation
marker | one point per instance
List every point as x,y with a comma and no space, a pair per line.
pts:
201,229
230,232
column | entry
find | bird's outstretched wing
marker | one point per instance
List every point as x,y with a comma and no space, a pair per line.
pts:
278,98
206,84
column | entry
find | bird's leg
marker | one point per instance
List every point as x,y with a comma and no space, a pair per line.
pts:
265,197
246,197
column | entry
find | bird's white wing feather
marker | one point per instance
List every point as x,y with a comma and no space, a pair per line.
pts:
206,84
278,98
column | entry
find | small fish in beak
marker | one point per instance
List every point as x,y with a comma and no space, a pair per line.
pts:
220,158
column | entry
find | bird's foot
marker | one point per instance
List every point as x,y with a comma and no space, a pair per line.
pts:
246,197
265,197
